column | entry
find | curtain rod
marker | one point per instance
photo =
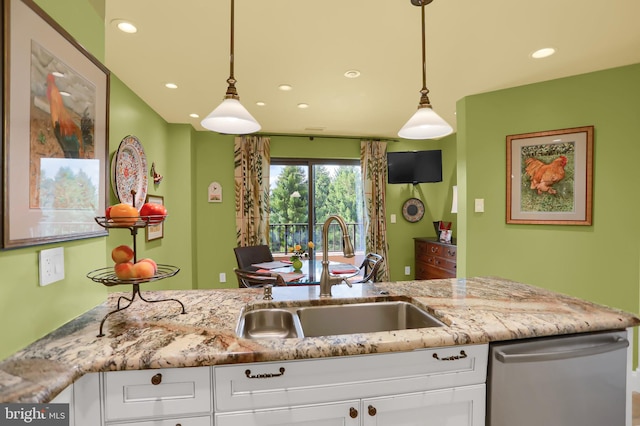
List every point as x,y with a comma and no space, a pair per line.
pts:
312,137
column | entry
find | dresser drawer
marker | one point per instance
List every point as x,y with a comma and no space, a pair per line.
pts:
449,252
157,393
289,383
442,263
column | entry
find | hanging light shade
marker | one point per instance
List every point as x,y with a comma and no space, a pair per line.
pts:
425,123
230,117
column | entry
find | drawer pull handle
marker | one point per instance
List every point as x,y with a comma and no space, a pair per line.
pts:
353,413
451,253
452,357
265,375
372,410
434,249
157,379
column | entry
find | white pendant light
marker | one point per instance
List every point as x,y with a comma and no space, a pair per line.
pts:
425,123
230,117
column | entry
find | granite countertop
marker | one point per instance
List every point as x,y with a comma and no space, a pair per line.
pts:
157,335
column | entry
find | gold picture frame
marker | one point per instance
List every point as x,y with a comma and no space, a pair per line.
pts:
55,133
550,177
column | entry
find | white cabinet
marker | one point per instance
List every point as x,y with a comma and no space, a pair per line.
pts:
337,414
463,406
164,397
443,387
429,387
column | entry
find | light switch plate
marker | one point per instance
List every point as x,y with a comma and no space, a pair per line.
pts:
223,277
407,270
51,263
479,207
393,218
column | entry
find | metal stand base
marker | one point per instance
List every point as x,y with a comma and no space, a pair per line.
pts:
136,291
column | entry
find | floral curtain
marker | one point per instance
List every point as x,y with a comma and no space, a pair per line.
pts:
252,158
373,159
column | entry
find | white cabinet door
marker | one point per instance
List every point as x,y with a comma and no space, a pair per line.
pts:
183,421
339,414
463,406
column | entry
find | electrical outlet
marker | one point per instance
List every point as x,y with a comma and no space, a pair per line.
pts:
51,265
223,277
407,270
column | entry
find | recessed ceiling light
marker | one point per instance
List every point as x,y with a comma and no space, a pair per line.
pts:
63,93
352,74
543,53
171,86
58,74
302,105
260,103
194,115
285,87
125,26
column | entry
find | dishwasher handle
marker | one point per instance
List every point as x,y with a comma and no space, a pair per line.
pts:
609,346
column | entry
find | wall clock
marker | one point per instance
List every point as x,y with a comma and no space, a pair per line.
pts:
413,210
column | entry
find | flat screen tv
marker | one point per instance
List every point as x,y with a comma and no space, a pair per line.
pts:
414,166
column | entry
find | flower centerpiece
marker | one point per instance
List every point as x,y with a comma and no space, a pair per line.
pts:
298,252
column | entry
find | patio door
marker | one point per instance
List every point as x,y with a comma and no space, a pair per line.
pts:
304,193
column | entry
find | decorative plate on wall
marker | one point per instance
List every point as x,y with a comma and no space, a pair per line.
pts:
129,172
413,210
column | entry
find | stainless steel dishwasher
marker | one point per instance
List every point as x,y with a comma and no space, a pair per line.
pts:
576,380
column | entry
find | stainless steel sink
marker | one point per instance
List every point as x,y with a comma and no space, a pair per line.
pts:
269,324
363,318
327,320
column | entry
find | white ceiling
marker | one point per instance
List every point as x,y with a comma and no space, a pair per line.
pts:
473,46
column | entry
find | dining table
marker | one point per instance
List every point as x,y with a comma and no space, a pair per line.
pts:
310,272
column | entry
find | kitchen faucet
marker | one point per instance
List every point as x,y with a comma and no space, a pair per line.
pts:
327,281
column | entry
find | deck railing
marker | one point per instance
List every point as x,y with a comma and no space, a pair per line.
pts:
283,236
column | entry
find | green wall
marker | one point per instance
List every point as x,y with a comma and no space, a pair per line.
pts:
28,311
598,262
215,222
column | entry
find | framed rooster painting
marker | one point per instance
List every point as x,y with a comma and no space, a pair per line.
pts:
550,177
55,143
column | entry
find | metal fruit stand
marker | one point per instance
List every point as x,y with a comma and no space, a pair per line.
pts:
107,276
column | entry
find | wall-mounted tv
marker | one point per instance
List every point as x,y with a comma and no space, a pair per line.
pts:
414,166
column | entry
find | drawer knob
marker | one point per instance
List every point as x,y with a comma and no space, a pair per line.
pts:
353,413
452,357
157,379
372,410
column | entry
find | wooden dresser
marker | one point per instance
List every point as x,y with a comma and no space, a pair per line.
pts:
434,259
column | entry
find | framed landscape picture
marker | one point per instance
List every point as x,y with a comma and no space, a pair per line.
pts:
55,145
550,177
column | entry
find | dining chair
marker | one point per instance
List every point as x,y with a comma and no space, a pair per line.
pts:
370,267
254,279
247,256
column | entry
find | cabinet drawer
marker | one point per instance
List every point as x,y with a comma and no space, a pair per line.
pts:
155,393
434,249
441,263
261,385
449,252
182,421
336,414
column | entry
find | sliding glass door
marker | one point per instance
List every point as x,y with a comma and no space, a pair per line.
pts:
304,193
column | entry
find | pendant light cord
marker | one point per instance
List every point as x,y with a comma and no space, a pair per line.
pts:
424,98
232,92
